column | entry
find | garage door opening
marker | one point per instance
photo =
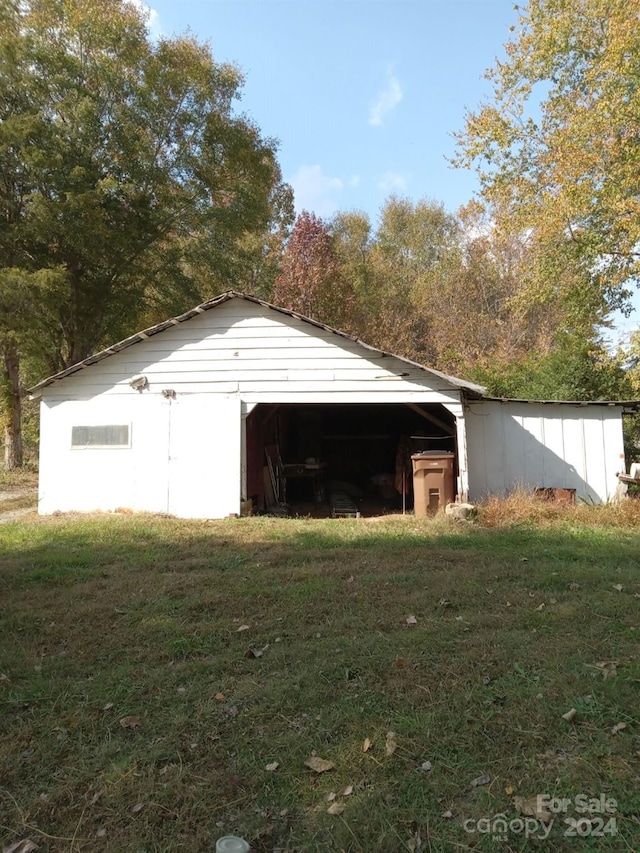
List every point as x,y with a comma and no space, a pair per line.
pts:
339,460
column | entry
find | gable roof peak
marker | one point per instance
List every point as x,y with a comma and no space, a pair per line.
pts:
145,334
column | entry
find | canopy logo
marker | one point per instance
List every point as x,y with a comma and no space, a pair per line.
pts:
594,819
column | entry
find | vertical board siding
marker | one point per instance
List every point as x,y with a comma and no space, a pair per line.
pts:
531,445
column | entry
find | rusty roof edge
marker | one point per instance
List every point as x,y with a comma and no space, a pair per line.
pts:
478,398
36,390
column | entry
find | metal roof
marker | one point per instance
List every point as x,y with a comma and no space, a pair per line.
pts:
145,334
627,404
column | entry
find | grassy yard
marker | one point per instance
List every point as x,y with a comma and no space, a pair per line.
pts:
152,671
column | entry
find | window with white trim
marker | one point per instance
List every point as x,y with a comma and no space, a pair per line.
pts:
104,435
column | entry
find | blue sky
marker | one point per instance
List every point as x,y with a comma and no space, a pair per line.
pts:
362,95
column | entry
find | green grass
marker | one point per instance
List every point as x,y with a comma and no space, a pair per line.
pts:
107,617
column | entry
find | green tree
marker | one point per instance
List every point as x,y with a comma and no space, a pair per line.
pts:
413,247
123,165
354,244
556,146
26,303
574,369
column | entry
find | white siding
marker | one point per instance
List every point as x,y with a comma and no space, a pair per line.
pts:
204,456
261,355
184,456
529,445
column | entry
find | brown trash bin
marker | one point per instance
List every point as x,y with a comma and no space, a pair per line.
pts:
433,481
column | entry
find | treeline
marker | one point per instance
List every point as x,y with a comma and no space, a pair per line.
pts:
129,186
131,189
456,293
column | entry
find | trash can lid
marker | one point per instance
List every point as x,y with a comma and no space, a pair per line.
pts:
441,454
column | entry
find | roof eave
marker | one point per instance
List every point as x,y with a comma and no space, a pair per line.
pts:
36,390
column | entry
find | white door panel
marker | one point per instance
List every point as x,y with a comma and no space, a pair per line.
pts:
204,456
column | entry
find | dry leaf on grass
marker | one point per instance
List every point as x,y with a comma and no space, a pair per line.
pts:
570,715
137,808
108,706
26,845
272,767
411,620
336,808
254,653
541,606
219,697
320,765
243,628
574,586
608,668
425,767
618,586
331,797
414,844
130,722
346,792
390,746
366,746
480,780
529,807
447,815
619,727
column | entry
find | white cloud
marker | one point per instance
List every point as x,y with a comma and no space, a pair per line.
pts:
152,17
388,98
392,182
314,191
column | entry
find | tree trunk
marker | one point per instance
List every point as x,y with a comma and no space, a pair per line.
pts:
11,405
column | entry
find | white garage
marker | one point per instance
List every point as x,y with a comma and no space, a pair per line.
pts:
238,403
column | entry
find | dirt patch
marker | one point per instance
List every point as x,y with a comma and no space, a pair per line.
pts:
17,500
12,515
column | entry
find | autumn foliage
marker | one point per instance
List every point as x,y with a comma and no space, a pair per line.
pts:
310,282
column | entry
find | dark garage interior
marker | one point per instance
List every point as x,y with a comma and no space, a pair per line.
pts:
341,460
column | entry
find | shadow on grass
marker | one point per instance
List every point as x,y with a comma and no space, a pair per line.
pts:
240,643
72,548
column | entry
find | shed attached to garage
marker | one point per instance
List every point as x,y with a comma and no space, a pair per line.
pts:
233,400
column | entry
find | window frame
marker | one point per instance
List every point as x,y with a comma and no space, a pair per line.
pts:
122,446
